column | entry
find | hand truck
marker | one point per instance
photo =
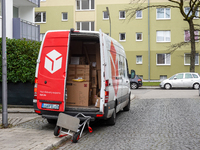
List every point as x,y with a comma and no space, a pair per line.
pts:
71,124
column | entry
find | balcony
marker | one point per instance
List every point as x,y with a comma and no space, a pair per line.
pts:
24,29
34,3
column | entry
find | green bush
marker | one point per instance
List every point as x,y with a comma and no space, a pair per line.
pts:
21,60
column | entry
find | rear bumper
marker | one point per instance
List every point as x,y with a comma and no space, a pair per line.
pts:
54,114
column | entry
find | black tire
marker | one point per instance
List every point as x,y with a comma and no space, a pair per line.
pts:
76,137
57,131
134,85
167,86
52,121
112,120
196,86
127,107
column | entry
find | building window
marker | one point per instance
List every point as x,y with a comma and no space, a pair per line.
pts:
64,16
122,15
84,4
187,9
163,13
40,17
139,59
163,36
187,59
105,15
138,14
163,77
138,36
187,35
87,26
122,37
163,59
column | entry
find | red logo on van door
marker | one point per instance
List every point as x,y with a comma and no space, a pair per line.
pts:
53,61
114,68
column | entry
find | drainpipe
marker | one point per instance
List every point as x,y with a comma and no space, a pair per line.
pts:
149,41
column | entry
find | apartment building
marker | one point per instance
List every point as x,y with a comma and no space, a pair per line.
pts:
146,37
20,18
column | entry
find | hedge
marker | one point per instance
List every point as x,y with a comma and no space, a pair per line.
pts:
21,60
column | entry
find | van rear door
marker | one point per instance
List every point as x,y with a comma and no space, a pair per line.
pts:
52,71
103,56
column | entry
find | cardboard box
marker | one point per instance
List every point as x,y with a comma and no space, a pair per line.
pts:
83,71
93,99
94,91
98,66
97,104
99,78
71,72
94,78
77,93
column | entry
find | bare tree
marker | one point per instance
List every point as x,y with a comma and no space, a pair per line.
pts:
192,12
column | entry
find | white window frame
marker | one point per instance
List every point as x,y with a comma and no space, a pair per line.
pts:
141,36
163,77
164,18
90,5
196,57
62,16
137,14
137,60
190,12
194,33
166,56
120,37
164,36
120,14
42,17
90,25
104,16
43,0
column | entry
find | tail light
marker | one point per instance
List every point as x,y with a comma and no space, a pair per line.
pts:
106,96
107,83
139,79
35,88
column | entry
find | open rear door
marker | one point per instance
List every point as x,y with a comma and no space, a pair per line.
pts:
103,56
52,71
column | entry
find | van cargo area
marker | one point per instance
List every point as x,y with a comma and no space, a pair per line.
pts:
83,73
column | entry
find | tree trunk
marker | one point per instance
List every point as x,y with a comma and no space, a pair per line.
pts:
193,47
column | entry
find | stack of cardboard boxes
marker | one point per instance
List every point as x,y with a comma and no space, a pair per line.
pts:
87,92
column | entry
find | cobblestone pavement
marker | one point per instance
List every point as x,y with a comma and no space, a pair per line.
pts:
151,124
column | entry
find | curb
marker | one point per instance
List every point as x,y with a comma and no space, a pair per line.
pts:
56,144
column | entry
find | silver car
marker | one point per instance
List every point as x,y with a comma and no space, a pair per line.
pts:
182,80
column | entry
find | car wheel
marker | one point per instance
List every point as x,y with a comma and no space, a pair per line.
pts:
134,86
167,86
196,86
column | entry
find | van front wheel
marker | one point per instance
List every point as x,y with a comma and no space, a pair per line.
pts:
112,120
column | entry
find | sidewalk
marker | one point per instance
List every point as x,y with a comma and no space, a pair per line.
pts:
29,131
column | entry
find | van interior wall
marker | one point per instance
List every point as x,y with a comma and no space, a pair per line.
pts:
83,62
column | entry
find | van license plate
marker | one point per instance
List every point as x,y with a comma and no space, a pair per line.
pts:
50,106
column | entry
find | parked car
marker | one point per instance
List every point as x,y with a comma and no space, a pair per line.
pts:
182,80
135,82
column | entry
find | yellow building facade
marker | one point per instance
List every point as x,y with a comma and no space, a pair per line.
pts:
146,37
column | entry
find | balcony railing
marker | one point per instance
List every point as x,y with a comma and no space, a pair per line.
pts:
37,2
24,29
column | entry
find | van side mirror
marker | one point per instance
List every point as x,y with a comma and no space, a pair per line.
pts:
132,74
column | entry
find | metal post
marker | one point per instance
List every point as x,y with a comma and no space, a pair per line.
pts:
4,67
109,18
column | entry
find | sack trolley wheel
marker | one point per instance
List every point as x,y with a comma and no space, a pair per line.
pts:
57,131
76,137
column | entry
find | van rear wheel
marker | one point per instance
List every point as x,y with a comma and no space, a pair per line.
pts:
112,120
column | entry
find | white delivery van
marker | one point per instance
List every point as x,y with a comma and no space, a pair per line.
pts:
81,72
